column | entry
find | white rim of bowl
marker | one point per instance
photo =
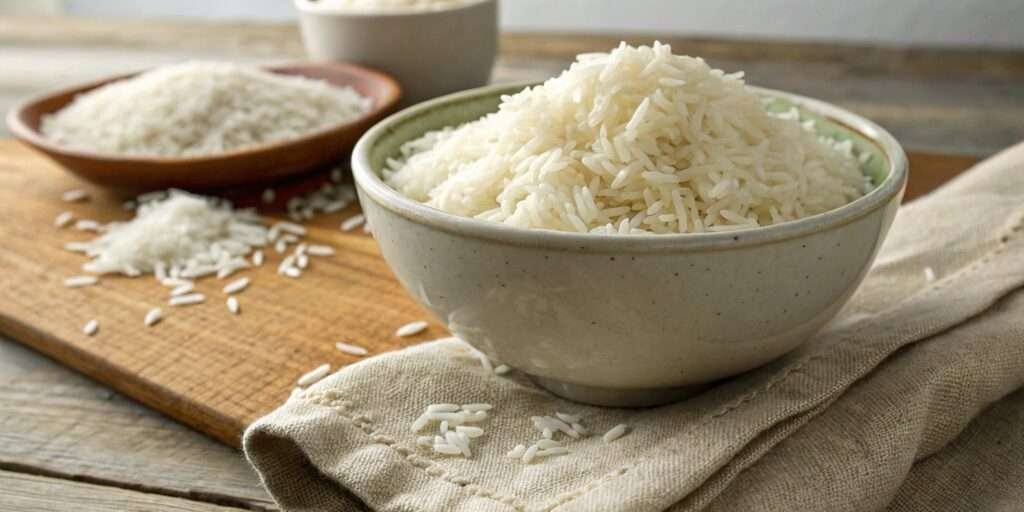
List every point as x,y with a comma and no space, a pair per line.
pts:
371,185
355,13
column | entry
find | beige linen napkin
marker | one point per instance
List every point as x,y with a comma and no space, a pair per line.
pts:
836,425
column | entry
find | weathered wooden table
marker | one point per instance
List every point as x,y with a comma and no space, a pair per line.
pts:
67,443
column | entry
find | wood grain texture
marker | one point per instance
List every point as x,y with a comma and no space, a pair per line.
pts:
31,493
56,422
202,366
209,369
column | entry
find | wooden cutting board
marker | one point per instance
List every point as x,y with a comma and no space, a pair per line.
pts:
201,365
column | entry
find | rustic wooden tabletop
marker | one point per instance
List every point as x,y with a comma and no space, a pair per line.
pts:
67,443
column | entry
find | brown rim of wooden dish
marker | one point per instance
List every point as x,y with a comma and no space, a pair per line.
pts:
250,165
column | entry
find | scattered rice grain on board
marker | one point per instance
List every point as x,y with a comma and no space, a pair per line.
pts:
75,195
63,219
351,349
182,289
353,222
177,230
291,228
411,329
314,375
91,327
293,272
80,281
88,225
320,250
187,300
236,286
152,317
257,258
233,306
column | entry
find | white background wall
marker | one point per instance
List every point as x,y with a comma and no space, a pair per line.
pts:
997,23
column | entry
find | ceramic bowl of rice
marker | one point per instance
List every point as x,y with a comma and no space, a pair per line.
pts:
634,229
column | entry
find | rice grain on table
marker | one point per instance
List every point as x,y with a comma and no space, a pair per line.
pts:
287,263
314,375
233,306
200,108
236,286
184,234
63,219
257,258
175,282
75,195
182,289
290,227
320,250
634,141
353,222
411,329
153,316
293,272
80,281
91,327
88,225
187,300
351,349
280,246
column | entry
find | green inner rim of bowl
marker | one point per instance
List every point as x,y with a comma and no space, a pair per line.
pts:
471,108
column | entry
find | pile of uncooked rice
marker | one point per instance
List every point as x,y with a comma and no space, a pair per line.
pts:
638,140
382,5
200,108
179,236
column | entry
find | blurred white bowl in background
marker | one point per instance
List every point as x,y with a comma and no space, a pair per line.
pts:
431,52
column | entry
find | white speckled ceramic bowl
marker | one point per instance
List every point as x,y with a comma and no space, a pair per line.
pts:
429,52
628,320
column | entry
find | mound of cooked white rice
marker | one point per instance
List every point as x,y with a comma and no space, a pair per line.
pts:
637,140
200,108
382,5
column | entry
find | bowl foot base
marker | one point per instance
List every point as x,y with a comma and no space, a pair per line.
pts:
611,397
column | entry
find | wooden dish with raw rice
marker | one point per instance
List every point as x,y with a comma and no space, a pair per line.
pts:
206,125
642,203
